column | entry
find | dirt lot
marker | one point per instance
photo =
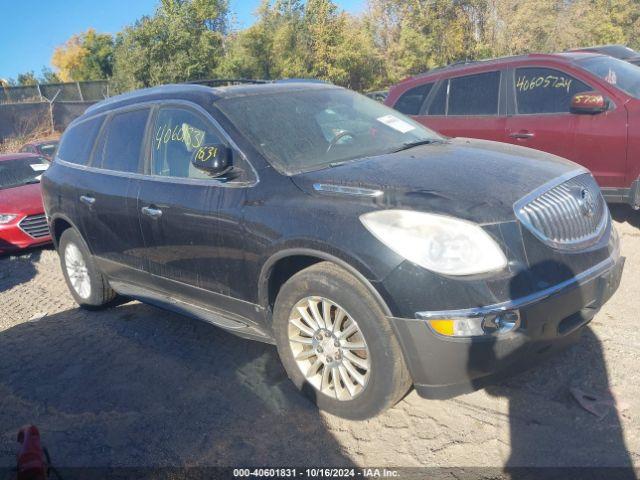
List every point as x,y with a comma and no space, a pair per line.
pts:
136,386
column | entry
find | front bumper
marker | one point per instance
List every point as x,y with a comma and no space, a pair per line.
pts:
442,367
13,238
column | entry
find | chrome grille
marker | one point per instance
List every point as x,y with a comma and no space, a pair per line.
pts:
569,216
35,226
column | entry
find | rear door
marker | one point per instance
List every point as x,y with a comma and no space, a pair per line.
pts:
108,198
72,180
467,106
540,116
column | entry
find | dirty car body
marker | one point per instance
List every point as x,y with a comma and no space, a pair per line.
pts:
321,174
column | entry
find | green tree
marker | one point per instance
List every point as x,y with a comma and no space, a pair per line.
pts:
310,40
27,78
85,56
181,41
49,76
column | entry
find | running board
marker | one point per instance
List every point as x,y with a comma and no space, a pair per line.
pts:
229,321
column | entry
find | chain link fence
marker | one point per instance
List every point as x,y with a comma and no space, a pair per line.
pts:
33,109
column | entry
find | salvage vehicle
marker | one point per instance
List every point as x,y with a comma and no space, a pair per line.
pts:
22,220
44,148
581,106
373,252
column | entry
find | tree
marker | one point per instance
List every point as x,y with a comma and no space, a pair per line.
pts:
49,76
181,41
291,39
27,78
271,47
85,56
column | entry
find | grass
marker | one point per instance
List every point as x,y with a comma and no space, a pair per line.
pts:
29,129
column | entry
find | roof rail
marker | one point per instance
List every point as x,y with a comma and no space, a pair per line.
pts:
219,82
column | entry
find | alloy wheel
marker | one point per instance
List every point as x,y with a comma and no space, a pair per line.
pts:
77,271
329,348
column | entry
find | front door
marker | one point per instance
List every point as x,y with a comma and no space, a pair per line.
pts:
191,223
541,119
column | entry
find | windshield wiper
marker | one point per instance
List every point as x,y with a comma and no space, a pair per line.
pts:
417,143
31,182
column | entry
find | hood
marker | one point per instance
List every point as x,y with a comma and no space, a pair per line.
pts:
476,180
26,199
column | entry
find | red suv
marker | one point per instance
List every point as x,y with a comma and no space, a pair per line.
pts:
22,220
581,106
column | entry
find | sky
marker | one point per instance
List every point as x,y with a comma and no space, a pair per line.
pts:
31,29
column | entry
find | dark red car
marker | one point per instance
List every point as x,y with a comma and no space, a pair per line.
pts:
580,106
44,148
22,220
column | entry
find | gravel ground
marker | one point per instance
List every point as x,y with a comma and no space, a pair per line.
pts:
137,386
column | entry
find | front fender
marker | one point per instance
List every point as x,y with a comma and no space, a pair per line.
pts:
350,264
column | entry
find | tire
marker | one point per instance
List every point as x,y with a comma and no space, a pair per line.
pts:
72,249
386,380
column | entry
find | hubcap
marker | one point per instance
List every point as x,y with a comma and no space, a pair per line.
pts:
77,271
329,348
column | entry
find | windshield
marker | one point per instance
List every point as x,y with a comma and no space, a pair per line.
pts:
316,128
618,73
48,149
22,171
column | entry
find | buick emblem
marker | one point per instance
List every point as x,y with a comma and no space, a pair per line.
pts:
587,203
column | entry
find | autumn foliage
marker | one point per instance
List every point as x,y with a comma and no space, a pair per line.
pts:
391,39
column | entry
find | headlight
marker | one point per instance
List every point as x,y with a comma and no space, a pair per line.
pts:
438,243
6,218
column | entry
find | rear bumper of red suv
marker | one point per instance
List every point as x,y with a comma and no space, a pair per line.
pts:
14,237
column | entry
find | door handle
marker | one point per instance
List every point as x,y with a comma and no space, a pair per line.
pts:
151,212
87,200
522,135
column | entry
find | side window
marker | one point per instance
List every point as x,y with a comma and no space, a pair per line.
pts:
122,142
177,133
439,103
410,101
474,94
544,90
77,141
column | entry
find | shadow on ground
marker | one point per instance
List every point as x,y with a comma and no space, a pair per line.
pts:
547,425
18,268
136,386
624,213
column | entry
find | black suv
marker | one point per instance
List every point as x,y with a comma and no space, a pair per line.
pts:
373,252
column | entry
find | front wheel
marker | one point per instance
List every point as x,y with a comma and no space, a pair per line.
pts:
336,343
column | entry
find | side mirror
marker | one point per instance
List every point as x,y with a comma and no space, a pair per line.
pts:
214,159
589,103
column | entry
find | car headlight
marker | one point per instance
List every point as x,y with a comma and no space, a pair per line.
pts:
438,243
7,218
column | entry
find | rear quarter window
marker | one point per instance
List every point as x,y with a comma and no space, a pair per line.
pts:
411,101
77,142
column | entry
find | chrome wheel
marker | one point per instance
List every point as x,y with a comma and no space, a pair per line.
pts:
329,348
77,271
